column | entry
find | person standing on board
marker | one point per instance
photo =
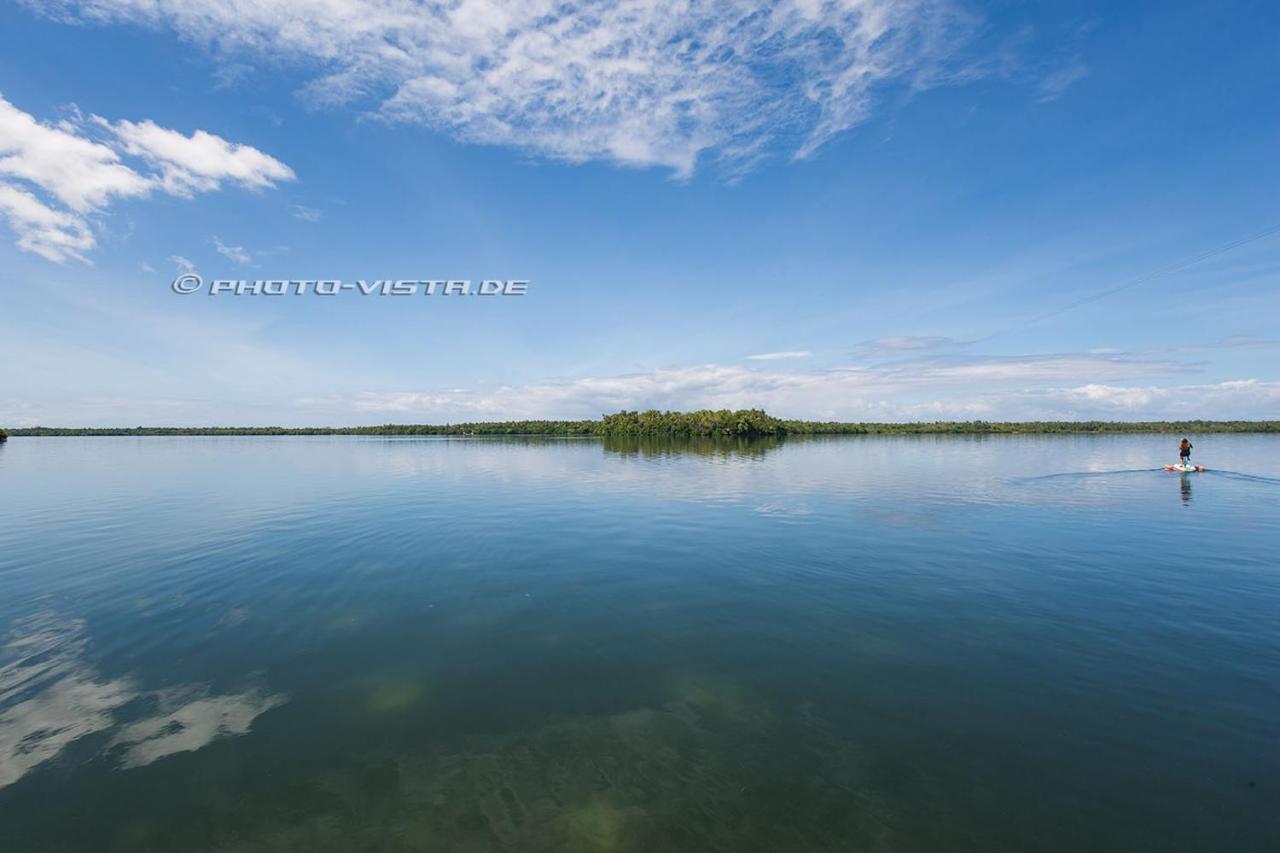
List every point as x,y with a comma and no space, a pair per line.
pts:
1184,451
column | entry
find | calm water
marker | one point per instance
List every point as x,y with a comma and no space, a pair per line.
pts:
854,644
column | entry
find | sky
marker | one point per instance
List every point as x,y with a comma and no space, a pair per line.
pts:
853,210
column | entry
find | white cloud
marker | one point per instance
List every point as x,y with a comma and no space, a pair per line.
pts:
232,253
778,356
306,214
844,394
899,344
635,82
54,177
1240,398
200,162
53,234
930,389
183,264
146,267
82,174
1061,79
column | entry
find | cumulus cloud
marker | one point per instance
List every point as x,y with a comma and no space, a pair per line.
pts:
59,159
1240,398
635,82
55,176
1067,387
52,234
201,162
929,389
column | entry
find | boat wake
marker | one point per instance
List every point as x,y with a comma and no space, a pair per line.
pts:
1074,475
1239,475
1064,475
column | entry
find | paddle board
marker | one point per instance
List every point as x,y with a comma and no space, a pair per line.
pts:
1185,469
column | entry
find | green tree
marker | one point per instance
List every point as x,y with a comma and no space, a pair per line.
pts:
742,423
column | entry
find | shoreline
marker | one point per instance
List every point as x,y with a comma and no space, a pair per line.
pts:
598,429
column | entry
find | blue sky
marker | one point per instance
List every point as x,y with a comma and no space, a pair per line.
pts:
865,210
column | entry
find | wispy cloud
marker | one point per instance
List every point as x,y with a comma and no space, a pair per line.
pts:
1237,398
778,356
306,214
634,82
54,177
184,265
232,253
903,344
842,394
1248,342
1061,79
1228,343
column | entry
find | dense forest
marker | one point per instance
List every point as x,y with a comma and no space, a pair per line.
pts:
3,436
725,422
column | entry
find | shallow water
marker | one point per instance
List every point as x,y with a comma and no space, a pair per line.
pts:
883,644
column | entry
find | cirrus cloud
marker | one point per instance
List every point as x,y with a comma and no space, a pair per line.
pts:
779,356
236,254
634,82
896,345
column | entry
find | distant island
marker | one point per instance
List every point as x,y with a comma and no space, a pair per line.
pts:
725,422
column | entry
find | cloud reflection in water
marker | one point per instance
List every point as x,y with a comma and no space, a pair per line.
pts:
50,697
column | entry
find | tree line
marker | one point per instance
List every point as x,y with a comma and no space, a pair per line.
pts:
724,422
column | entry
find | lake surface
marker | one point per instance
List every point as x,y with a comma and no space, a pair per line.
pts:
881,644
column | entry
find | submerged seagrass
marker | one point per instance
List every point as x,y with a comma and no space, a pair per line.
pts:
632,643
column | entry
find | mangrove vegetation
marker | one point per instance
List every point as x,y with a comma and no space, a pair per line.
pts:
742,423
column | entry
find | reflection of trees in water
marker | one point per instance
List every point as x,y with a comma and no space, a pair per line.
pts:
717,446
